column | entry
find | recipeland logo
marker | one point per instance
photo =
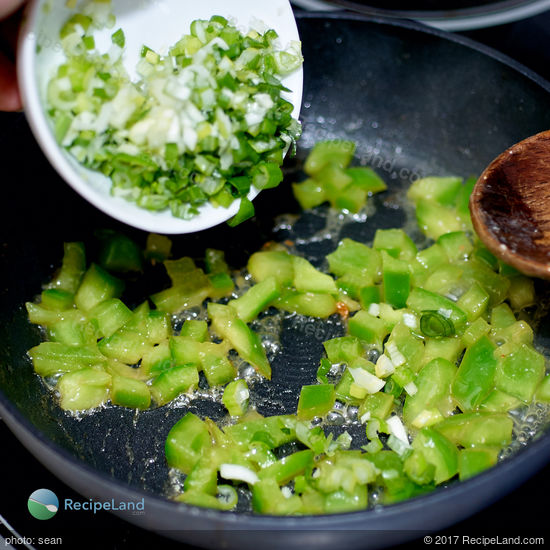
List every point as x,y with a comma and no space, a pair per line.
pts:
44,504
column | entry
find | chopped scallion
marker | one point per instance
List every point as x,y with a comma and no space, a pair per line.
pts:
433,324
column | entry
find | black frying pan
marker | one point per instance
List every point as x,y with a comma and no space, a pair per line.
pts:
417,102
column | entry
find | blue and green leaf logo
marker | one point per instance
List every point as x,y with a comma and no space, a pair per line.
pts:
43,504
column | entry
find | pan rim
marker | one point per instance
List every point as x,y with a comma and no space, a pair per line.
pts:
537,453
459,19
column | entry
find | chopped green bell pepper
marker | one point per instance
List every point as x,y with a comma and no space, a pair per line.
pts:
315,400
186,442
520,372
86,388
246,342
475,376
97,286
439,451
477,428
433,390
474,461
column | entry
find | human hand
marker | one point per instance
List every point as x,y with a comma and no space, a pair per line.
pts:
10,100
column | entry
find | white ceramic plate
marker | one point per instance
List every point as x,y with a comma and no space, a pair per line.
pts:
158,24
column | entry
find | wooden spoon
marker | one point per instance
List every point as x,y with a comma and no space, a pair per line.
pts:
510,206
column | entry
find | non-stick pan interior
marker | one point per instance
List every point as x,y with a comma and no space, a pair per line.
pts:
415,103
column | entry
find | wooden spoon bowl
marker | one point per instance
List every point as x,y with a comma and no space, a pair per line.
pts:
510,206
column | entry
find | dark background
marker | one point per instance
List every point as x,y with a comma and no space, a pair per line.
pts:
523,512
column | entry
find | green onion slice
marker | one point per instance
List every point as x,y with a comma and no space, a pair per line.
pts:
433,324
227,496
